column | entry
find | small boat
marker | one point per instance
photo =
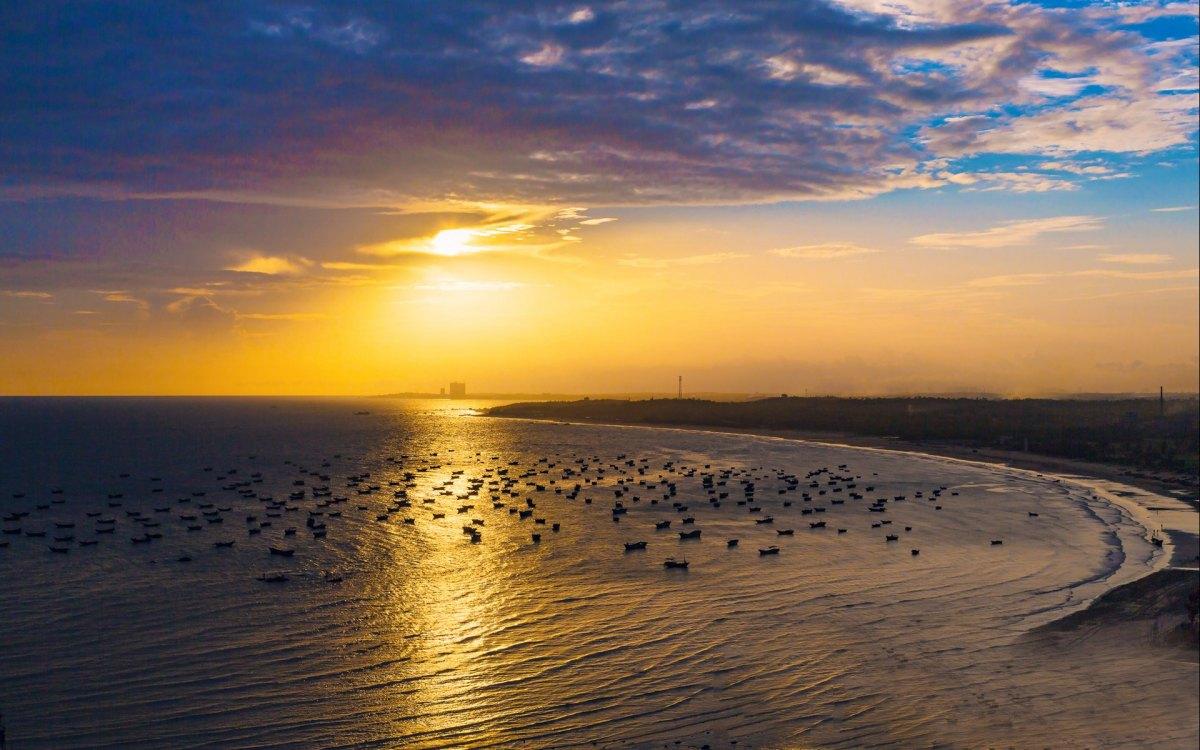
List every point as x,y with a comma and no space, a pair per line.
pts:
58,549
916,552
536,538
761,521
225,543
772,550
693,534
1032,514
277,577
997,542
891,537
731,543
816,525
631,546
281,551
662,525
671,562
785,532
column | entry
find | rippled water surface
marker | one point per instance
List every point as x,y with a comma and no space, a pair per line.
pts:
430,640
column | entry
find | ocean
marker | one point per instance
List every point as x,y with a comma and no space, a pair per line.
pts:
395,629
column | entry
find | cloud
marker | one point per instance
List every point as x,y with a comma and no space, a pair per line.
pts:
1012,233
1115,124
1033,279
548,55
122,298
201,313
271,265
1135,258
1173,209
690,260
294,316
582,15
1013,182
409,103
825,251
26,294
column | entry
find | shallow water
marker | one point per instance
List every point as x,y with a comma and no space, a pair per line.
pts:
842,640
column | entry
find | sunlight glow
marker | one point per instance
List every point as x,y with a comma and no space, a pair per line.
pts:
451,242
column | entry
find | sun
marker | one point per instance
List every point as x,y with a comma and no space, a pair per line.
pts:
452,242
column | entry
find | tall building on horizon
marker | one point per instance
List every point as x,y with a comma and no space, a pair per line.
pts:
458,390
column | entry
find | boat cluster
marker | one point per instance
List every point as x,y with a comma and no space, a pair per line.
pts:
428,493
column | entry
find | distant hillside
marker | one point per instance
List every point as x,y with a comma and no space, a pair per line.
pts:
1125,431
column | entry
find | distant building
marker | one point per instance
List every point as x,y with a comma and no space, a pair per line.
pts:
458,390
442,391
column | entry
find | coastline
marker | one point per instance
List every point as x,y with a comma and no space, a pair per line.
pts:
1158,590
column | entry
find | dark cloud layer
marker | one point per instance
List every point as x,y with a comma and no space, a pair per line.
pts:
626,102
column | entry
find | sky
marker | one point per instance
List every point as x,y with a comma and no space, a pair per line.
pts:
813,196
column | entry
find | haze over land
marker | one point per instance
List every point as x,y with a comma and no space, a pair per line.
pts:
841,197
